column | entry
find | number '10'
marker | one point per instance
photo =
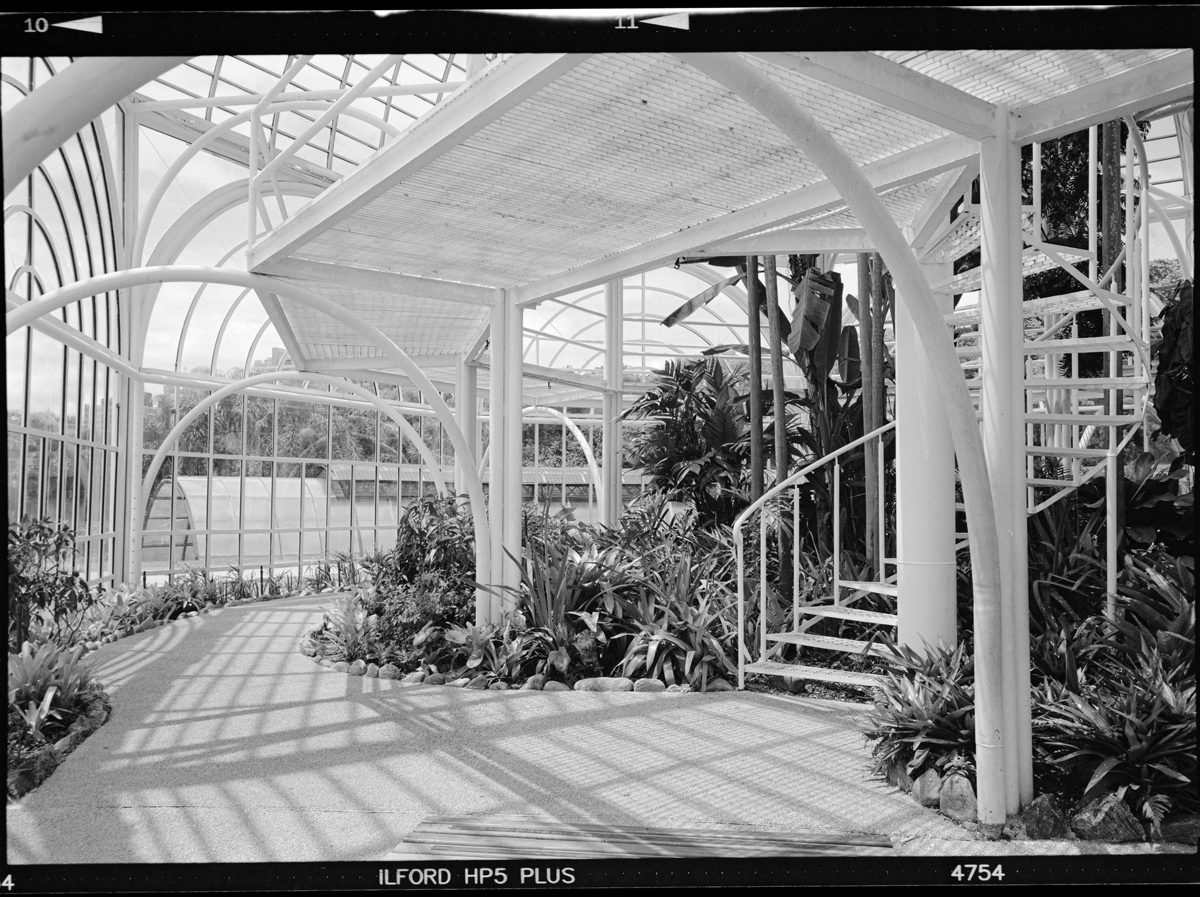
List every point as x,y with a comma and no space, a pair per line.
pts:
39,26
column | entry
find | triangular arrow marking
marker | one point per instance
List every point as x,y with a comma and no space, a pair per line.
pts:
95,25
679,20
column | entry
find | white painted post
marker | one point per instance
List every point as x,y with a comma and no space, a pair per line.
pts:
924,495
514,496
466,400
134,313
611,504
489,612
1002,336
1111,472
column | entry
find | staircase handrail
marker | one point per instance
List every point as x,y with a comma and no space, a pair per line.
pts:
800,475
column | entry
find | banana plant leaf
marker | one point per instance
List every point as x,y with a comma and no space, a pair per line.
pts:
826,352
815,298
698,302
849,360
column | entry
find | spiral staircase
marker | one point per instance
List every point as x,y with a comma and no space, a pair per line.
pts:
1076,427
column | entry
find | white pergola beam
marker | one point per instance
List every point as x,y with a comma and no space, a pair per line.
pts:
794,239
397,379
283,326
596,386
347,364
380,281
937,207
911,166
478,104
1153,84
895,86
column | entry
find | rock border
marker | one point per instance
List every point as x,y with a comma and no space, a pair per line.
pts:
1106,819
536,682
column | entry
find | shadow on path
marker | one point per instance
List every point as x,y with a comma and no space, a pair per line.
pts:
228,745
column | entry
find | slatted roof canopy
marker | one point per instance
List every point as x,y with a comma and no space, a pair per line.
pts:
545,173
619,150
1018,77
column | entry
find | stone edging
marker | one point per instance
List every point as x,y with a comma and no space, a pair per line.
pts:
537,682
1107,819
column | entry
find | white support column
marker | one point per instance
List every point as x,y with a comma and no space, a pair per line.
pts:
497,447
611,503
514,498
129,535
1003,431
466,406
924,495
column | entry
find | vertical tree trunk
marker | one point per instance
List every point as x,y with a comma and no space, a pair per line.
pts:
1110,247
878,389
778,403
756,379
870,422
775,345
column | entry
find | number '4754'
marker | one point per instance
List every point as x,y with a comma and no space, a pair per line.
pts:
978,872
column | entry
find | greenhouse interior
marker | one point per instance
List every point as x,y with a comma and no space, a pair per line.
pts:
859,375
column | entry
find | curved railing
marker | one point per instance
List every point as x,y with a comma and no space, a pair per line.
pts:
793,481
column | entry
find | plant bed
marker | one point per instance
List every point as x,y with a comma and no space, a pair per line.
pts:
465,677
34,754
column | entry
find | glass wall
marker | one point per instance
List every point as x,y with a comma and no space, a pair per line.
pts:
64,414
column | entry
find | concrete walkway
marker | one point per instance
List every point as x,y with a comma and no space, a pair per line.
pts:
228,745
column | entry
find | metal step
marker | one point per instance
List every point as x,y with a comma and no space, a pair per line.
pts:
1084,344
1066,303
1089,383
1047,451
841,612
1062,484
826,643
1032,261
817,674
879,588
1095,420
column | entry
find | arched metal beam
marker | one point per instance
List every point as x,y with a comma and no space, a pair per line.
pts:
180,235
781,109
56,299
597,479
53,113
193,149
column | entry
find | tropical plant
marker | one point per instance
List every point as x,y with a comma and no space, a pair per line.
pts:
680,619
431,600
923,715
496,653
1114,708
49,685
346,631
690,453
434,534
43,591
680,648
